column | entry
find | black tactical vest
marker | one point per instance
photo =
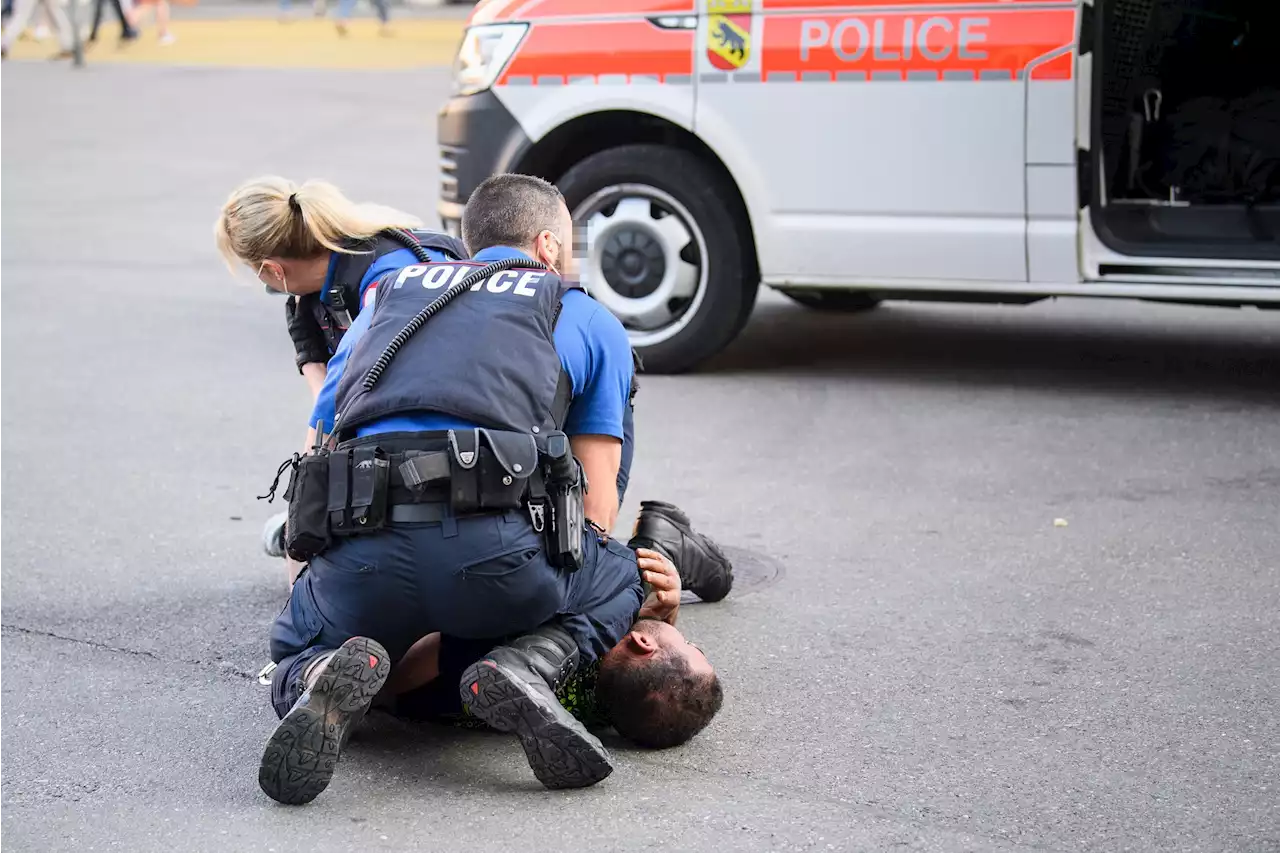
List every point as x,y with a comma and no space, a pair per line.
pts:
488,358
335,315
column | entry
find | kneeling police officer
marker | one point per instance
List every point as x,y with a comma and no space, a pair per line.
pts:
474,415
325,252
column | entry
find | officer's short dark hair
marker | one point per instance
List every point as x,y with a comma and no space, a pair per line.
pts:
659,703
511,210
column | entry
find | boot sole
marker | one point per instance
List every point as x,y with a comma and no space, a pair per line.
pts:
561,752
299,759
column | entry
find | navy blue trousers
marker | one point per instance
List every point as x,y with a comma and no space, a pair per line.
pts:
472,578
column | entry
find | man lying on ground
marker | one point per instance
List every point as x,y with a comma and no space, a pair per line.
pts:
654,687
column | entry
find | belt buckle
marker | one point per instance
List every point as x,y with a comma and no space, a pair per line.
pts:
538,515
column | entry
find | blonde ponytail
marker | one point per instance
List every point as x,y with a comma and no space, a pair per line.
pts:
271,217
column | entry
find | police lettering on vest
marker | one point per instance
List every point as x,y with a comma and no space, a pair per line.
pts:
488,358
440,277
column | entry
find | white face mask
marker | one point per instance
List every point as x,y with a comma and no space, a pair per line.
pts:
284,280
560,246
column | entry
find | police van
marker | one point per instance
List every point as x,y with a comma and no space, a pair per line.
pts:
846,152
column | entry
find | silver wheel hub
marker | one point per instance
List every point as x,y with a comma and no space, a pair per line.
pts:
644,259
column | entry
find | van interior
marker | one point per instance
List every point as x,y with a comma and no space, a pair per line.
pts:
1186,147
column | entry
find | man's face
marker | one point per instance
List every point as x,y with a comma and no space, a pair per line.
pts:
568,259
649,640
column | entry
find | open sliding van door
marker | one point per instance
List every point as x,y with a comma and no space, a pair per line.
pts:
1179,116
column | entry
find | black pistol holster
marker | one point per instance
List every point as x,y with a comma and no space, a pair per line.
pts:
564,484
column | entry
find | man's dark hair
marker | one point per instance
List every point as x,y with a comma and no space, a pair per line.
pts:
659,703
511,210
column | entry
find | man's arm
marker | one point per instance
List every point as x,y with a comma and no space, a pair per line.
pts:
600,365
601,457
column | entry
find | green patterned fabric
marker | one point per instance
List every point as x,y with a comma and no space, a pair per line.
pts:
577,695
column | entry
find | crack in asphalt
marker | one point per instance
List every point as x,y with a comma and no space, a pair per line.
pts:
107,647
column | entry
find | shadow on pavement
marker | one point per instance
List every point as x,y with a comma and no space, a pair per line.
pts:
1215,352
445,758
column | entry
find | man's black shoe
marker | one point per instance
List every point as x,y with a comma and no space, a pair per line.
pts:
513,690
303,751
703,567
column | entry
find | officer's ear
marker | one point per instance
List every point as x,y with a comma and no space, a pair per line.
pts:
548,246
270,272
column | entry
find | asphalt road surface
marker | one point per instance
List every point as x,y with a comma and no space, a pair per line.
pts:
930,663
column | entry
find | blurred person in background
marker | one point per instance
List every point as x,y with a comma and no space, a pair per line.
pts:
23,10
345,8
45,28
165,35
286,7
122,7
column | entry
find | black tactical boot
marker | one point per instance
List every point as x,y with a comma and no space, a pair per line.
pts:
302,752
513,690
703,567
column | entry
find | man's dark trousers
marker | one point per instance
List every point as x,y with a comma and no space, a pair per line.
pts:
126,31
473,577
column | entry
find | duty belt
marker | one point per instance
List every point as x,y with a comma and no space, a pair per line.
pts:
413,478
418,513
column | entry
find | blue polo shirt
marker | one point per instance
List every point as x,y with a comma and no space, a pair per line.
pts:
594,351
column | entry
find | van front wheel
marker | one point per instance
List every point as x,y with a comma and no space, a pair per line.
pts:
663,252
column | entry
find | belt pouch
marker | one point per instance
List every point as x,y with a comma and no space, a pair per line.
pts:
370,472
307,529
339,502
464,471
507,461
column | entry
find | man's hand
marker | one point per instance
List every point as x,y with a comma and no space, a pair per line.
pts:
663,601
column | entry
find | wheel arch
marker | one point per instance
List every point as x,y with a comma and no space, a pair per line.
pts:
572,142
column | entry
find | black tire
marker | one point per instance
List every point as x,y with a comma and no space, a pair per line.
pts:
729,296
845,301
